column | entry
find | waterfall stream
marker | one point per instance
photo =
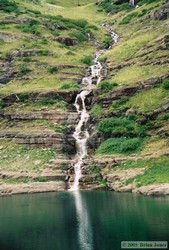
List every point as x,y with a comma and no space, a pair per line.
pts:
132,2
81,133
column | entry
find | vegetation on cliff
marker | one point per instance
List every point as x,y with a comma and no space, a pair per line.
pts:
46,48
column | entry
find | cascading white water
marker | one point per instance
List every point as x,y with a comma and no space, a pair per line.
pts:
80,136
114,36
81,133
132,2
95,72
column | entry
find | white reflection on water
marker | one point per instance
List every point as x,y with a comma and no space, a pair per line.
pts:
84,226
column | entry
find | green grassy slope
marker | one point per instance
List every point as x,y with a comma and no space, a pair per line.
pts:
30,46
136,126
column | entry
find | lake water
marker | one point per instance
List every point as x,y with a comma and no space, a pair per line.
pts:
97,220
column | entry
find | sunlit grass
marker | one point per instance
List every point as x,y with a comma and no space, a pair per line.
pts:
156,171
148,100
20,158
136,73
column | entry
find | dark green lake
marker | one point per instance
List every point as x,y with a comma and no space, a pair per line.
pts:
81,220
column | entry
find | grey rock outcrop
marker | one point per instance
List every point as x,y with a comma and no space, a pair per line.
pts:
67,41
162,13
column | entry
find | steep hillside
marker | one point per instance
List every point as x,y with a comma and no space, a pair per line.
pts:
132,119
47,48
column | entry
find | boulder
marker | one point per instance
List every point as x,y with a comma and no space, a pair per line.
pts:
66,41
154,190
162,13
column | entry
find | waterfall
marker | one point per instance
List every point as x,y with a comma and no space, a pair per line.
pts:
132,2
80,136
81,133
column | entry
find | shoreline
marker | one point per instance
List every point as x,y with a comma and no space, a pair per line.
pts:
156,190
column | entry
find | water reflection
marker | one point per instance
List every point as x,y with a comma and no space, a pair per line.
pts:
85,234
81,220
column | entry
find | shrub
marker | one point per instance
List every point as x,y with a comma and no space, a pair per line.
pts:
106,87
127,19
58,100
1,105
94,170
51,2
96,110
70,85
23,97
165,84
60,128
107,6
47,101
55,33
119,146
44,52
53,70
81,37
92,27
44,41
8,6
3,26
42,179
82,23
27,59
120,126
36,12
87,60
164,117
70,53
120,102
24,70
107,41
114,6
143,12
30,27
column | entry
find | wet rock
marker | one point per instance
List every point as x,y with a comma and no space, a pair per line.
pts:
69,143
94,140
154,190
